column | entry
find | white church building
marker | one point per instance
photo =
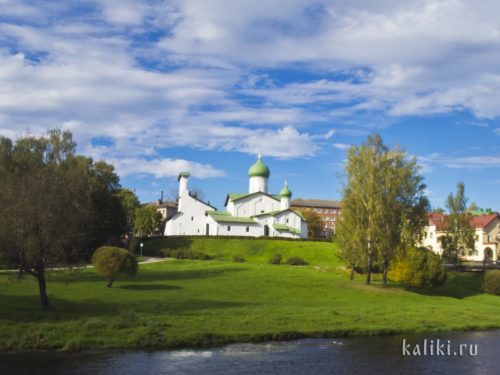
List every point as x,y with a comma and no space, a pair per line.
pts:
254,214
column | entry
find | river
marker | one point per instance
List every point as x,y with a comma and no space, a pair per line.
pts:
359,355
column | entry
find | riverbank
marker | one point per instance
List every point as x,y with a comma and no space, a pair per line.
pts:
185,303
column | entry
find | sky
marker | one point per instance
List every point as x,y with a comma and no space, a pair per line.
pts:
159,87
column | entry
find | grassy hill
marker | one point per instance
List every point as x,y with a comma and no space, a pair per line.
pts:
186,303
256,250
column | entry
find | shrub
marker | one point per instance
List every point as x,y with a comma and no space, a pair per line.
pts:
238,259
185,254
296,261
112,261
275,259
491,283
419,268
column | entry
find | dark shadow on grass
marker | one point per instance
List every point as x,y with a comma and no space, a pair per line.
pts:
24,309
150,275
458,285
148,287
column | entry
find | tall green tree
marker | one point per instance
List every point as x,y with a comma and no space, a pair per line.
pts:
459,233
147,221
56,206
383,205
129,202
314,223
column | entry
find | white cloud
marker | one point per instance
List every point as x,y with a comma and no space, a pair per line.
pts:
201,84
164,167
341,146
462,162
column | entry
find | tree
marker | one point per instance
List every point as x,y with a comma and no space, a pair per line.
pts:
314,223
419,268
383,205
56,206
44,205
129,203
458,230
147,221
112,261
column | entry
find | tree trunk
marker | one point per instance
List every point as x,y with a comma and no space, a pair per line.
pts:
384,275
369,269
352,272
40,275
110,282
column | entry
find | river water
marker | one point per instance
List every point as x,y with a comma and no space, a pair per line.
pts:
363,355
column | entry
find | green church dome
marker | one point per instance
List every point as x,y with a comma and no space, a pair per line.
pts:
259,169
286,192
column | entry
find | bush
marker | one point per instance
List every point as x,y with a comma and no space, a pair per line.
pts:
275,259
185,254
296,261
238,259
112,261
491,283
419,268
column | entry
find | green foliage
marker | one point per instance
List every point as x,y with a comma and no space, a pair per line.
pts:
185,254
296,261
491,283
129,203
314,224
419,268
383,205
147,221
112,261
238,259
276,259
459,231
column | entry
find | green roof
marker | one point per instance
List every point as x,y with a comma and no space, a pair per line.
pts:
285,192
183,174
298,212
259,169
236,196
274,213
226,217
286,228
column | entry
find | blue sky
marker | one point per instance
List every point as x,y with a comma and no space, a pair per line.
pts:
158,87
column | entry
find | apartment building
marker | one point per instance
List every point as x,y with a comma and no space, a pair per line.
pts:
487,236
329,210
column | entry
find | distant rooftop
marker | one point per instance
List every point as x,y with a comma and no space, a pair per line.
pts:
324,203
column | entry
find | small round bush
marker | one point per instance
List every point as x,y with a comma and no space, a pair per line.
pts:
275,259
419,268
238,259
491,283
296,261
112,261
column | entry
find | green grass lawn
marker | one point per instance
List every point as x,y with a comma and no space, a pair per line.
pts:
179,303
257,250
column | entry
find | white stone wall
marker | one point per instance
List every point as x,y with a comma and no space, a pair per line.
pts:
191,221
239,229
253,205
257,183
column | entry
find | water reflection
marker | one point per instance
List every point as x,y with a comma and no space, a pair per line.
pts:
373,355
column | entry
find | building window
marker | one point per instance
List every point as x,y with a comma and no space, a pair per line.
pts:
430,234
248,229
477,237
229,228
489,238
287,221
318,209
192,218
